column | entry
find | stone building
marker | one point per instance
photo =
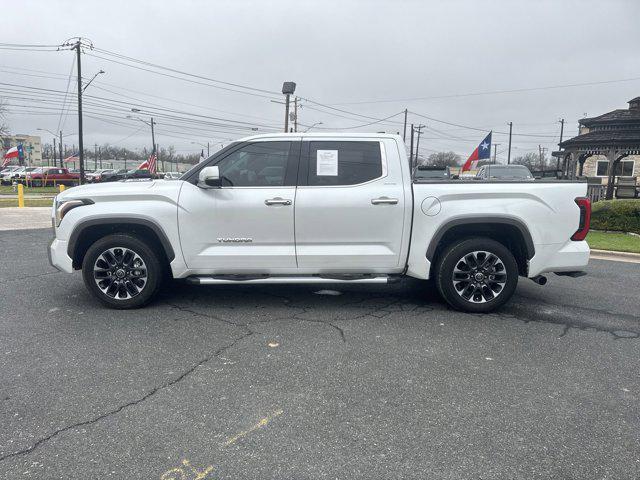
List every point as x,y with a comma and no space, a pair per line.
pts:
607,147
31,144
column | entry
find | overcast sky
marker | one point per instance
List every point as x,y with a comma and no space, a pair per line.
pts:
340,53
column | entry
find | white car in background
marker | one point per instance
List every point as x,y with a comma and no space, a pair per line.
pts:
9,174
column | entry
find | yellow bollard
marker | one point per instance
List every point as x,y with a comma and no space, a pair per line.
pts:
20,195
61,188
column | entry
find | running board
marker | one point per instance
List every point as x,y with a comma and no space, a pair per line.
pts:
244,280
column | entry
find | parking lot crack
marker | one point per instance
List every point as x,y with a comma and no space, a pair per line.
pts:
576,321
27,277
151,393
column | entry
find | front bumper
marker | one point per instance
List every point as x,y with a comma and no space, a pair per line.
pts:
58,256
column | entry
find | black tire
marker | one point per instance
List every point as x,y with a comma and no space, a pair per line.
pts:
471,293
132,289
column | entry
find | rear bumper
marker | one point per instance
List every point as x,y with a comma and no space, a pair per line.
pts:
568,257
58,257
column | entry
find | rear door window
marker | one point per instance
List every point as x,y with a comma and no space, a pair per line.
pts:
343,162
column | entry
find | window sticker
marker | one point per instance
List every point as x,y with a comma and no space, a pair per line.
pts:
327,163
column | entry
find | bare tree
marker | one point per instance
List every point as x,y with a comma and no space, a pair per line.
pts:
444,159
4,128
532,160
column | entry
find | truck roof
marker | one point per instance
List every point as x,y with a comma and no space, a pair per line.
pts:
303,135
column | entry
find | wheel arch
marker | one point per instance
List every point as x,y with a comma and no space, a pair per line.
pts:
88,231
510,232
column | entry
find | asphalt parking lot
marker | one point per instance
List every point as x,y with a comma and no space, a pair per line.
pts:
284,382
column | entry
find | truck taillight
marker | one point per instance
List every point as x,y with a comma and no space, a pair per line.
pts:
584,204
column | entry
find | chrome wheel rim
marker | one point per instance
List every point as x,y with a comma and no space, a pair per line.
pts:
479,277
120,273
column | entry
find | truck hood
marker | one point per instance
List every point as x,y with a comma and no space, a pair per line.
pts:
124,191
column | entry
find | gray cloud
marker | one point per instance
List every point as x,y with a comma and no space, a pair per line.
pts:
341,52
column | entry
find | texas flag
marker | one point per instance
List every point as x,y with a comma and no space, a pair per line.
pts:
482,152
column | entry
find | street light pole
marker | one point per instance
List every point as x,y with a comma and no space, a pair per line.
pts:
288,88
61,156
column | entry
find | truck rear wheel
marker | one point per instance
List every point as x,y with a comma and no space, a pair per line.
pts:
476,275
122,271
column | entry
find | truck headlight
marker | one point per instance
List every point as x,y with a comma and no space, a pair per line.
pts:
65,206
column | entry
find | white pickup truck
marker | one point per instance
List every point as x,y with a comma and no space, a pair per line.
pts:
319,208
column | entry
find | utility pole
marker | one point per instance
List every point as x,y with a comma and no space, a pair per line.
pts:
404,130
295,114
61,156
495,152
95,156
100,156
419,129
411,151
541,152
80,142
561,132
54,151
509,154
153,137
208,152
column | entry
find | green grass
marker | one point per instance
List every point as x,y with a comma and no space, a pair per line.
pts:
8,189
36,202
620,242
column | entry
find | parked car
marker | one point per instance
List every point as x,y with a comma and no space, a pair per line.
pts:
44,176
172,175
20,175
113,176
504,172
431,172
98,175
340,208
128,175
7,173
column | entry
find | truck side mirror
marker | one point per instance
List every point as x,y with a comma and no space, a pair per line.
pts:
209,177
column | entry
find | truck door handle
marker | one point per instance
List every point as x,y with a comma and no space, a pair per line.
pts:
277,201
384,201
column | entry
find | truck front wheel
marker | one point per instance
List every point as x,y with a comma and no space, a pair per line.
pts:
122,271
476,275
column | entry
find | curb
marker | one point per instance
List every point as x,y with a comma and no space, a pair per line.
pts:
616,256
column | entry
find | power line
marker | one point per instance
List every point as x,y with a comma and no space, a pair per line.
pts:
65,95
362,125
494,92
202,77
479,129
180,78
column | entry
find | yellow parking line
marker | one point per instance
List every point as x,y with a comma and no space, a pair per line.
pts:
262,423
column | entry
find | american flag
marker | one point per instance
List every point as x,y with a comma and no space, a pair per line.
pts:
152,162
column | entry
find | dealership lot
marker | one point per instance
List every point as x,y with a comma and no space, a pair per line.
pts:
310,382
